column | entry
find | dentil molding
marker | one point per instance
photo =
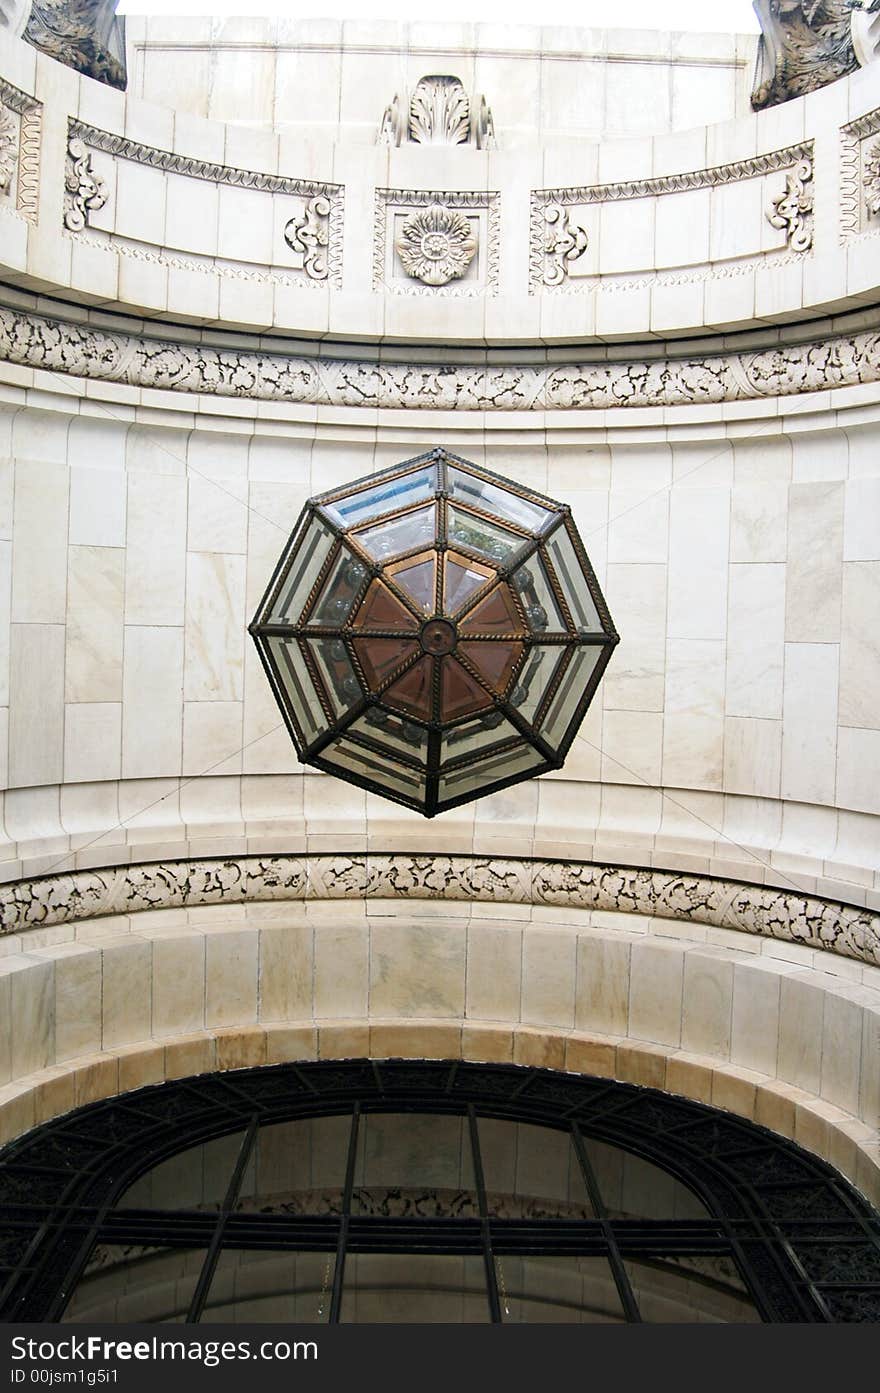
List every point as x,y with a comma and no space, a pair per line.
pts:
97,354
726,904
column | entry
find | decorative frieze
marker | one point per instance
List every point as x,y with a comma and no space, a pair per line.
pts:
872,179
860,175
577,885
436,243
792,210
21,119
439,112
81,350
315,233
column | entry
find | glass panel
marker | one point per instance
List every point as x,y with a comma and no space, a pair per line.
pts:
419,583
258,1286
299,1168
534,680
403,534
386,497
413,692
531,1172
489,771
460,694
691,1290
635,1189
414,1165
344,754
558,1291
491,498
569,693
340,679
414,1288
380,657
125,1285
485,538
196,1178
573,581
538,601
299,687
346,577
310,555
480,734
463,580
497,614
396,734
494,661
382,610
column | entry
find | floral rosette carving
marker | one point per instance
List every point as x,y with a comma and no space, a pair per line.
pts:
436,244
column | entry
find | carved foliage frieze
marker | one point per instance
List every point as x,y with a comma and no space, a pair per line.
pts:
314,233
436,243
787,369
21,119
577,885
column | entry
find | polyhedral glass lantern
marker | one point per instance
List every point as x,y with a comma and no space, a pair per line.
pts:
434,632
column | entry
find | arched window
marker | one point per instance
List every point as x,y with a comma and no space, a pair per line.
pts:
394,1191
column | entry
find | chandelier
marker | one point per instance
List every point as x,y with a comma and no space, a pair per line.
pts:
434,633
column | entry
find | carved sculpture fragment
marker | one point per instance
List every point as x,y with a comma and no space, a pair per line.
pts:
84,190
436,244
804,45
310,235
439,112
872,179
8,148
85,35
793,209
564,242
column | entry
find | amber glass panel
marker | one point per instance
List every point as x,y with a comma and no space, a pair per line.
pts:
385,497
403,534
379,657
334,603
394,733
497,614
494,660
463,579
459,693
412,692
382,610
418,582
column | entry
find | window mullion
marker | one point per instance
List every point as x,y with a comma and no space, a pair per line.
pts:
619,1272
206,1276
336,1299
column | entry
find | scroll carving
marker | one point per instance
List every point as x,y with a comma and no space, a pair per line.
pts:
793,209
564,242
84,190
310,235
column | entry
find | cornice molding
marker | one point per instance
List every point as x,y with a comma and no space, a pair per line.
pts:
579,885
94,354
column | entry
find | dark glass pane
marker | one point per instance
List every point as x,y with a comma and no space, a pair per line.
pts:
394,537
558,1291
414,1164
414,1288
311,553
135,1285
382,610
463,579
635,1189
492,498
691,1290
396,734
299,1168
573,581
537,598
385,497
340,679
485,538
489,771
479,734
413,692
494,661
380,657
261,1287
531,1172
338,592
297,682
345,754
460,694
497,614
418,582
569,693
196,1178
534,680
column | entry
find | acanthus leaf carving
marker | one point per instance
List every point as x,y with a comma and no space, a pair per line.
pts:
84,190
310,235
438,112
85,35
792,210
804,45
